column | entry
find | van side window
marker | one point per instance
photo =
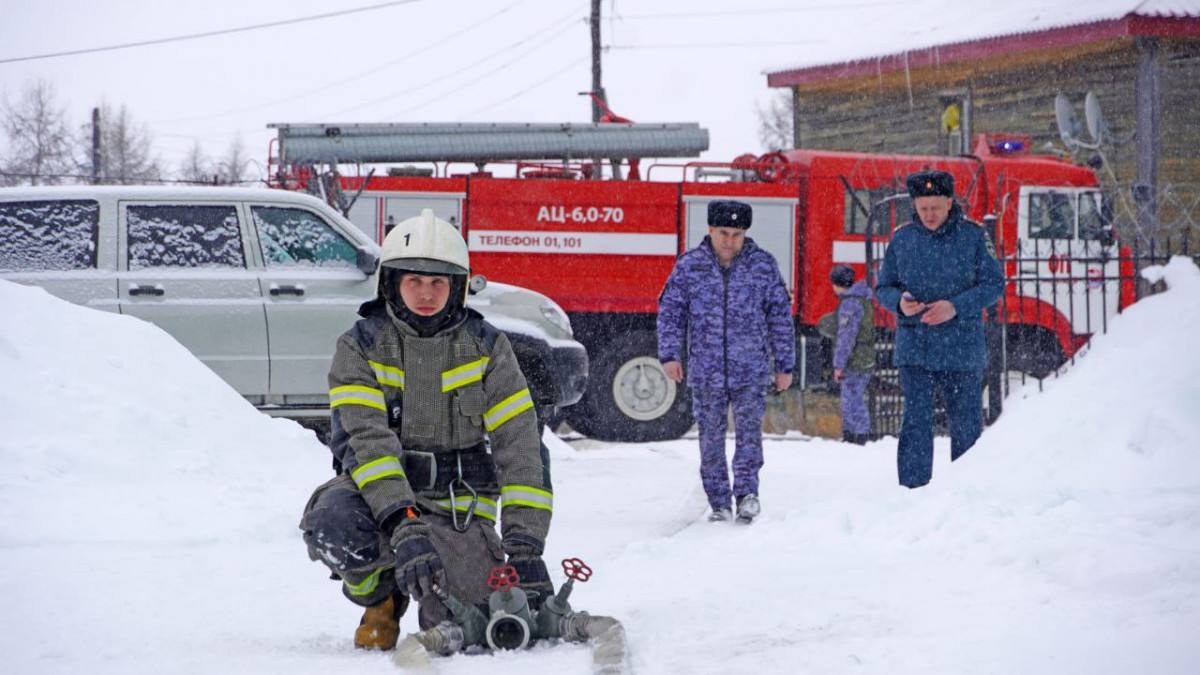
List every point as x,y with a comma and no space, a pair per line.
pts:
295,237
48,235
184,236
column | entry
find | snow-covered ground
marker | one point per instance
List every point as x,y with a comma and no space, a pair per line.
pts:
148,524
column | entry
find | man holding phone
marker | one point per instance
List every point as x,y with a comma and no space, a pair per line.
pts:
939,273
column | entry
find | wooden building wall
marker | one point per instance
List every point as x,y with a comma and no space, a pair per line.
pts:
900,112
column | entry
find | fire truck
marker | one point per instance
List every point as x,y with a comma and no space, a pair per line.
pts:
573,211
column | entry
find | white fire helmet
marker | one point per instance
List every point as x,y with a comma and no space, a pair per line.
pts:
426,244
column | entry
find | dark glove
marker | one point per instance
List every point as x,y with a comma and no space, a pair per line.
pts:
535,578
418,566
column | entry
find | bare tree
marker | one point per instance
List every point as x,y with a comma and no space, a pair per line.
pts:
232,168
197,167
37,140
775,122
125,149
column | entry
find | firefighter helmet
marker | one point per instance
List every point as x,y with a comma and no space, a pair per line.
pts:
426,244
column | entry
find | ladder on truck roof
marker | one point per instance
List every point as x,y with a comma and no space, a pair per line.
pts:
483,142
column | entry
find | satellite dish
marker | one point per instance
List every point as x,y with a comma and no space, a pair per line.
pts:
1068,126
1097,129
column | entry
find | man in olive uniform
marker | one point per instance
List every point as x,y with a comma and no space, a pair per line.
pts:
434,440
938,275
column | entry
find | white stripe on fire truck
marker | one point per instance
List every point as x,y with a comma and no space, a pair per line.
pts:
533,241
855,251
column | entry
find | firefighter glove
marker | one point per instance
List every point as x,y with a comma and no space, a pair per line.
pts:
535,578
418,566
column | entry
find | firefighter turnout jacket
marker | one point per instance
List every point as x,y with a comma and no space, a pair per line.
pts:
424,420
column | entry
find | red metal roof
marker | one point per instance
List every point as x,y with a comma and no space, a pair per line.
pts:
1153,18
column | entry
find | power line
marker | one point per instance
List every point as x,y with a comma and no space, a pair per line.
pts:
560,23
544,80
719,45
765,10
347,80
196,36
487,73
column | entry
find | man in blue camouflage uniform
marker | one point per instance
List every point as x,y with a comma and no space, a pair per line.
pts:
853,352
725,301
939,273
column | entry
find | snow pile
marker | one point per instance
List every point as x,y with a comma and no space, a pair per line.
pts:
147,516
120,433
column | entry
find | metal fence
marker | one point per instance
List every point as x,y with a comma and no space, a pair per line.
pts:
1059,294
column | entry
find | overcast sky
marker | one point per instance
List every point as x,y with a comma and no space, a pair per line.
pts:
427,60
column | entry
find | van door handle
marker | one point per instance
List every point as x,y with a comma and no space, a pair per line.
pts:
156,289
286,290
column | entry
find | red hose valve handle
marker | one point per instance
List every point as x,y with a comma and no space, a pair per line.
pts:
576,569
503,578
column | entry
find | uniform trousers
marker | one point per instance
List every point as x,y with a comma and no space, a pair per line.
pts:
340,531
962,391
711,407
855,418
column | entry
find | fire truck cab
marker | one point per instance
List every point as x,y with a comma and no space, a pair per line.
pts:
602,249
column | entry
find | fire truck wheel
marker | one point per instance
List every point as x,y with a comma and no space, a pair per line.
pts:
1034,351
629,397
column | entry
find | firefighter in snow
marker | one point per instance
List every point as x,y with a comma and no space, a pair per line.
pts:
938,275
434,441
726,305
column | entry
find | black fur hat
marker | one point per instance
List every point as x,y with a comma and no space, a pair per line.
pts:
930,184
729,213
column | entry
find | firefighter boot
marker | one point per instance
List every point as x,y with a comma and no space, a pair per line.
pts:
380,624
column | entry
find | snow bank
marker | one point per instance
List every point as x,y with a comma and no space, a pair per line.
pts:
113,431
148,524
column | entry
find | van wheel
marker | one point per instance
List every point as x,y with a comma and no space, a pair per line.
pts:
629,397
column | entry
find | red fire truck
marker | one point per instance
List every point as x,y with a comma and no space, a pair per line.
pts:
602,249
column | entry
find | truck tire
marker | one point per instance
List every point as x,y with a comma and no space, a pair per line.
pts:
1034,351
629,397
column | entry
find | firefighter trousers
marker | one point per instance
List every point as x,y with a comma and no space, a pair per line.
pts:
962,392
340,532
711,409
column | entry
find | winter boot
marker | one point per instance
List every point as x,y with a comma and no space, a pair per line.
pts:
748,508
380,624
721,515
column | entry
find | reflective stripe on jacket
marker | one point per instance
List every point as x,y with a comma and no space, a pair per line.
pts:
391,389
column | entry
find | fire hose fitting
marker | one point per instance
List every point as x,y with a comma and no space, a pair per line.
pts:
511,624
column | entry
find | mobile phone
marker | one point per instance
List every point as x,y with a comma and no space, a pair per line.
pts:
908,296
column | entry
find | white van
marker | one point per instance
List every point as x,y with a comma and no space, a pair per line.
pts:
257,283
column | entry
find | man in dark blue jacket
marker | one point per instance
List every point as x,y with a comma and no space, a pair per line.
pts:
938,275
726,302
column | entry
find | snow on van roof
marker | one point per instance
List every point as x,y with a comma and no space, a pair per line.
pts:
190,192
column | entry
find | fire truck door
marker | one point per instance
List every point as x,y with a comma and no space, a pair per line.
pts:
1062,260
375,213
773,228
445,206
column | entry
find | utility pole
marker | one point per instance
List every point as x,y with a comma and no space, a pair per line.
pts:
597,87
95,146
